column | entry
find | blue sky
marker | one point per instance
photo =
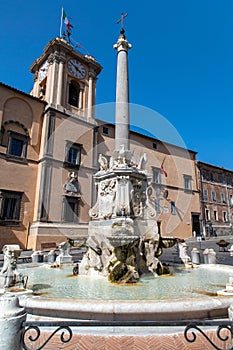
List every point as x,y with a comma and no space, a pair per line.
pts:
181,63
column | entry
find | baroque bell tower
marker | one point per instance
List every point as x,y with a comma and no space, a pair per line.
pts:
65,78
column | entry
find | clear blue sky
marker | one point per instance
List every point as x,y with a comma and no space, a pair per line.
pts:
181,63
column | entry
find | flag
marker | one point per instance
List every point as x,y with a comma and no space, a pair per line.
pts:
66,20
162,168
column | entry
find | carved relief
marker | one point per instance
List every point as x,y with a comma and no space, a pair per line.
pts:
106,198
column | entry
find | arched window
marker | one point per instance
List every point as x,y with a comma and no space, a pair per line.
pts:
74,91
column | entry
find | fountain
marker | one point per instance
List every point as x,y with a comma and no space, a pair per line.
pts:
123,240
123,245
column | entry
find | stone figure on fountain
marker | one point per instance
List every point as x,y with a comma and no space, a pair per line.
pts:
9,270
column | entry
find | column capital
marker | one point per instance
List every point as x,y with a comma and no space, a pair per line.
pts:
92,73
122,43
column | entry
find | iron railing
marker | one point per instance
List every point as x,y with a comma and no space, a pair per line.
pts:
192,330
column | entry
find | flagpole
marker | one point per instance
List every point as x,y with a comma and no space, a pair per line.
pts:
61,23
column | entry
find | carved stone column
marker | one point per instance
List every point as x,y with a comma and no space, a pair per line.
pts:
122,94
80,102
49,79
92,76
60,78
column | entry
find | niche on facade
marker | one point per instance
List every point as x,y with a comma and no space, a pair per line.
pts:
71,186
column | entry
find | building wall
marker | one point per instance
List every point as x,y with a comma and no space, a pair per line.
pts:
216,198
49,131
20,114
67,129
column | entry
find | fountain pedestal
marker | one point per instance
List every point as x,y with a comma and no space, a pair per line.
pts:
123,240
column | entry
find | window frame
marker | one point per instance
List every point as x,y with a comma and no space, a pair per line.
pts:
5,197
224,216
207,214
223,198
212,177
214,196
220,179
157,205
229,181
66,207
203,175
205,195
188,182
173,208
76,146
19,137
105,130
159,177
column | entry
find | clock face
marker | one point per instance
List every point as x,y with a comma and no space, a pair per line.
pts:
76,68
43,71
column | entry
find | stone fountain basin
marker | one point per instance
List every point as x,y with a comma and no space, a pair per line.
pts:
183,308
122,310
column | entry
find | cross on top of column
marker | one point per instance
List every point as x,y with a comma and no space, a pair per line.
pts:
121,20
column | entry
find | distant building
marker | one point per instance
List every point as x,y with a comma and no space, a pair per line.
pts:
216,199
49,150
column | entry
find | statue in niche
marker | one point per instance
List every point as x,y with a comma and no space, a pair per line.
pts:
72,185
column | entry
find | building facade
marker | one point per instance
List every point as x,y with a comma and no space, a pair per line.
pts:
216,199
50,146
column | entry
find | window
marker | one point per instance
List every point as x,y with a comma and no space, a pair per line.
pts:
10,202
205,195
231,200
229,181
173,208
105,130
203,174
74,92
220,178
211,177
215,215
207,214
214,199
17,145
154,145
70,209
223,198
187,182
156,176
73,154
224,216
157,206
